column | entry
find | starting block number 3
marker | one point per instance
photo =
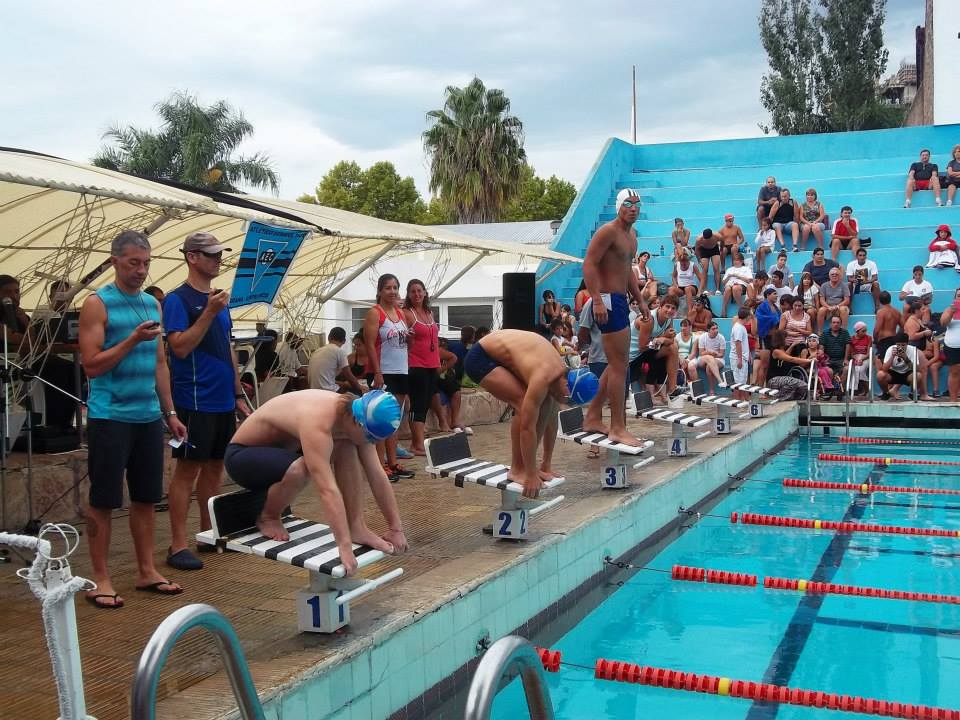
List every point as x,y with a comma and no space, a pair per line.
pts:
510,524
614,476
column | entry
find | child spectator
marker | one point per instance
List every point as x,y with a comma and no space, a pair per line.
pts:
781,265
943,250
740,351
765,241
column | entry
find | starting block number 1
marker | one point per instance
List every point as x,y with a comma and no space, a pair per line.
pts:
723,425
510,524
614,476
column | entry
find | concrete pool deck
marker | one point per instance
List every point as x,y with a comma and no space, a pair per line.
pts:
399,656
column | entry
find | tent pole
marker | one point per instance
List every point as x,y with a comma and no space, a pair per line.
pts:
446,286
549,272
355,273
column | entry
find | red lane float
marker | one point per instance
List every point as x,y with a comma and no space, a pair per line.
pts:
549,658
719,577
893,441
865,487
711,684
884,461
813,587
838,525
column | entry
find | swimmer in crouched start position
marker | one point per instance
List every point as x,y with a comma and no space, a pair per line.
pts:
320,435
523,370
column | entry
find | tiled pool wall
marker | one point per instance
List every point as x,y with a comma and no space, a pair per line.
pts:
407,672
938,421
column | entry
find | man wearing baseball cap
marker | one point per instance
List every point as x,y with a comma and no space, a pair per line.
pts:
731,238
328,438
206,387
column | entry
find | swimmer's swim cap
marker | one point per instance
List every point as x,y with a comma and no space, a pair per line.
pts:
583,386
378,412
626,194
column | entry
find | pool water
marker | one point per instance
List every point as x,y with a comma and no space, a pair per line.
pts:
895,650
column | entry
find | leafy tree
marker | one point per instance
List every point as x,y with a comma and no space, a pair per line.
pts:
540,199
195,146
436,213
378,191
825,66
476,152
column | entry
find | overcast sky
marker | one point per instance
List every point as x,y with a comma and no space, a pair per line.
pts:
324,82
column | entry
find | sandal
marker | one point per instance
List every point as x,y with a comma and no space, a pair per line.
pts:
157,587
95,601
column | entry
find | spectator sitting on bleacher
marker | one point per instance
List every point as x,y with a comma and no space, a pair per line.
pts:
813,219
953,174
700,315
795,322
886,326
645,277
779,376
834,299
712,347
768,195
811,349
916,288
819,268
835,341
759,284
737,283
859,352
687,351
776,282
943,250
808,291
845,234
686,279
863,277
781,265
923,175
680,235
707,249
765,241
785,214
899,366
731,238
659,338
548,312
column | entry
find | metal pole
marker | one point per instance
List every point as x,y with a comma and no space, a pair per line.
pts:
633,116
61,627
506,654
355,273
447,285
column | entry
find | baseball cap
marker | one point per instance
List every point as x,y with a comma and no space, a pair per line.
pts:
378,413
202,242
728,216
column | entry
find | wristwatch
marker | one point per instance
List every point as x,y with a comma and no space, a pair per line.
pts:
170,413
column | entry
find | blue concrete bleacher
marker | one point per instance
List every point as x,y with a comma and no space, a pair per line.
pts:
702,181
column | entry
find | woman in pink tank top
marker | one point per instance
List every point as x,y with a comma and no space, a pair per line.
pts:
423,356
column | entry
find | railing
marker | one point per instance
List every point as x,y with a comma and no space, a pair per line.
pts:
915,374
851,388
811,386
143,699
505,655
870,375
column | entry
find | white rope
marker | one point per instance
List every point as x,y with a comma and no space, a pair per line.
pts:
52,600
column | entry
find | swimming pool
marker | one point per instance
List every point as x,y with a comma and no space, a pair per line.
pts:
905,651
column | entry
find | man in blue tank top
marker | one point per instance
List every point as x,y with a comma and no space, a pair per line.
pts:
129,394
206,388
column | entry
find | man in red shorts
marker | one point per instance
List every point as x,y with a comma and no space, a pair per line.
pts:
923,175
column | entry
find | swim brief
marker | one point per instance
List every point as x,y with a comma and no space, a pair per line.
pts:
257,468
477,364
618,313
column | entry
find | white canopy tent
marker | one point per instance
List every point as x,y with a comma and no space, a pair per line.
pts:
57,218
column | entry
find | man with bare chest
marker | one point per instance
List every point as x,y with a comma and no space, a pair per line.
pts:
731,237
886,326
607,273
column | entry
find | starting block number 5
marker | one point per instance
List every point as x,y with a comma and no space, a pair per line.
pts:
510,524
614,476
723,425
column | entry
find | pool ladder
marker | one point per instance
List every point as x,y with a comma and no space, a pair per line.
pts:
143,698
509,654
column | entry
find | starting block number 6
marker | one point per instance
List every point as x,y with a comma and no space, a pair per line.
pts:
614,476
510,524
756,410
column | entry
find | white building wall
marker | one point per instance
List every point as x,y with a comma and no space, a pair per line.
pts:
946,62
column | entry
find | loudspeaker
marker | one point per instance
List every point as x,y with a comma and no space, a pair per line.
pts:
519,301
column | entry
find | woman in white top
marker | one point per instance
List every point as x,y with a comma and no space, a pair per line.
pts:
712,347
950,319
385,335
687,347
737,282
765,241
645,277
686,279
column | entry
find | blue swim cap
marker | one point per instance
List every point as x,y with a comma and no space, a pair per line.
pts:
583,386
378,412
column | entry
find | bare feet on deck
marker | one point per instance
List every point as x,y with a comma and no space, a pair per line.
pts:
398,540
272,528
625,437
547,475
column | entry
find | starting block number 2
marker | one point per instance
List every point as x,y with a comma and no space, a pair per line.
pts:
510,524
614,476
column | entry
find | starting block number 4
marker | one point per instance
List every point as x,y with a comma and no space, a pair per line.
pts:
319,612
723,425
510,524
614,476
678,447
756,410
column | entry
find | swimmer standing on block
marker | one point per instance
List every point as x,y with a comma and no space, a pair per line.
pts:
524,370
607,273
330,438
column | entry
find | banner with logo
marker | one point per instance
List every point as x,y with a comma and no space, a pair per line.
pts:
268,252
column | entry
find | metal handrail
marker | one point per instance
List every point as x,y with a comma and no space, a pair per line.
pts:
916,372
811,384
870,375
143,696
849,394
507,654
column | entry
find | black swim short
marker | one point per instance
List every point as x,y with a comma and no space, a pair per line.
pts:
115,448
477,364
207,434
884,344
704,253
257,468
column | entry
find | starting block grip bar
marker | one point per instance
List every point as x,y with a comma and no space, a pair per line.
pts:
367,558
701,436
372,584
545,506
645,461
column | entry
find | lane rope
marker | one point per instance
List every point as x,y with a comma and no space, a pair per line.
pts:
865,488
831,457
838,525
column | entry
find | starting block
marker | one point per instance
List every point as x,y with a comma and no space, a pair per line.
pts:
683,424
614,474
449,456
324,606
758,393
725,406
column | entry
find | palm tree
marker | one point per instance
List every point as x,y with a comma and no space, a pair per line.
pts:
476,152
194,146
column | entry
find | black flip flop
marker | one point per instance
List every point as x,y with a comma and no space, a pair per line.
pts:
155,588
92,599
